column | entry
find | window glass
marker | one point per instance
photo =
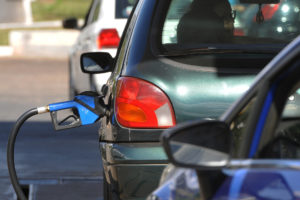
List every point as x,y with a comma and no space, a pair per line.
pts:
96,12
285,141
123,8
176,11
88,14
229,24
292,107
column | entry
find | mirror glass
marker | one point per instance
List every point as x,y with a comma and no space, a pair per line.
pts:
197,155
90,65
204,144
96,62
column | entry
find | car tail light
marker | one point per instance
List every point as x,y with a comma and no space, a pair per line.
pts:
108,38
140,104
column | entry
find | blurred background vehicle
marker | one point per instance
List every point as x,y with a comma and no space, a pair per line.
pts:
252,152
177,61
101,31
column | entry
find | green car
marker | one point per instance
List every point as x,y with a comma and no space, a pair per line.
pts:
178,61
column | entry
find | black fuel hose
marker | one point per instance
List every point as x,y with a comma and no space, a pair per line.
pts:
11,152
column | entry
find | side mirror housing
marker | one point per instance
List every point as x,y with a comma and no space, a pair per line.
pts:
96,62
199,145
70,23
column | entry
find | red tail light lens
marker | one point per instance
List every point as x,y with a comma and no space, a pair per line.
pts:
108,38
140,104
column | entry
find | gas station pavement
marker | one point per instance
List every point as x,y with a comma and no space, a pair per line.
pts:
50,164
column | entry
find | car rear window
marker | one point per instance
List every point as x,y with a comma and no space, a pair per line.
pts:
123,8
229,24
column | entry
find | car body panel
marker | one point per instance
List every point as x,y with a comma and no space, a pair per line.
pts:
182,185
134,180
195,92
274,183
137,167
139,153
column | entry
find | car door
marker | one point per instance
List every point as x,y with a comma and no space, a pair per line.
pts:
266,131
277,131
278,103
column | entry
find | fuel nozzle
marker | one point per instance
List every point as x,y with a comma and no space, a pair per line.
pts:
86,108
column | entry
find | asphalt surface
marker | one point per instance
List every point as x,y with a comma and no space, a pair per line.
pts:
51,165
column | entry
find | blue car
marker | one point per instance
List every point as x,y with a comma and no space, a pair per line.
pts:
251,152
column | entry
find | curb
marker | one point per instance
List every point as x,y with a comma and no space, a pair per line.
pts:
54,43
40,43
45,24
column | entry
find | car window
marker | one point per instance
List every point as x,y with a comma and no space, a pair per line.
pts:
123,8
86,18
95,13
176,10
214,24
292,106
285,141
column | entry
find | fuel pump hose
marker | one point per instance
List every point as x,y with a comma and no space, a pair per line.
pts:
11,147
89,108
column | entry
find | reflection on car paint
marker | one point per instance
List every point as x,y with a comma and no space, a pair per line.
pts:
183,185
239,184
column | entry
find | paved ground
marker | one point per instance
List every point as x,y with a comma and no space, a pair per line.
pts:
53,165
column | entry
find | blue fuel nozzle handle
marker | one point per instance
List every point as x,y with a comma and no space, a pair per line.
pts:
89,110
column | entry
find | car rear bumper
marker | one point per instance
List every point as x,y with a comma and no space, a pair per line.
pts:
133,170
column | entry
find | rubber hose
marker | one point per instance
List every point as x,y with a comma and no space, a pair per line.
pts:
11,154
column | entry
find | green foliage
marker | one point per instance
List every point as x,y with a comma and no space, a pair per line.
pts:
4,37
4,33
46,10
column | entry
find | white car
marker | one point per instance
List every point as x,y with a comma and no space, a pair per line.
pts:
102,29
